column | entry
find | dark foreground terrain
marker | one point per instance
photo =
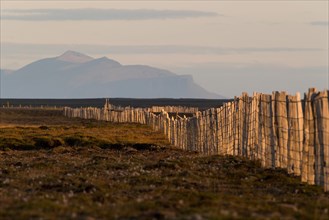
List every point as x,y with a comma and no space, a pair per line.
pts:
52,167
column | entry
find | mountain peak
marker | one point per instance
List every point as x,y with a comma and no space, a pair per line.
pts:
74,57
103,58
107,61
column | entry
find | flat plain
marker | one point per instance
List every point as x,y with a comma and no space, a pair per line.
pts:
52,167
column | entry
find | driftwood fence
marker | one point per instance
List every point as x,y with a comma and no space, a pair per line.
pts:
279,130
154,109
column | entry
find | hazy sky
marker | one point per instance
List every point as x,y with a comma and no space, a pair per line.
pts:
228,46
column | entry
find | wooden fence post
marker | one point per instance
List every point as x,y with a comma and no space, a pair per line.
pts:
268,131
230,129
240,125
308,146
293,132
281,118
321,119
256,143
300,117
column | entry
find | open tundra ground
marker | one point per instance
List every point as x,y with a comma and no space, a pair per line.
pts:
53,167
202,104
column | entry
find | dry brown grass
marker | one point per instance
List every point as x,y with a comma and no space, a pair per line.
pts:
46,129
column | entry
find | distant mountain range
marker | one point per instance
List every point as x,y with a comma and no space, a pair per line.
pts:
75,75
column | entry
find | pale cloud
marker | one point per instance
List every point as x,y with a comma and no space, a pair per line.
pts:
320,23
100,14
20,48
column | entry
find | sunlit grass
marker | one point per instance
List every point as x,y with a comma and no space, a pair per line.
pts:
27,130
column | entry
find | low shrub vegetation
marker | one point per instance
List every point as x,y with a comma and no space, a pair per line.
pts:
75,169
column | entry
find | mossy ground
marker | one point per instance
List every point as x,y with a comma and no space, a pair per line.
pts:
53,167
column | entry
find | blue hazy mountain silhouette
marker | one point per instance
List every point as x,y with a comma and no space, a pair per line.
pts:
75,75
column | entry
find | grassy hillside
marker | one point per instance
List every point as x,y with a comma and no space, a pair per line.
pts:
53,167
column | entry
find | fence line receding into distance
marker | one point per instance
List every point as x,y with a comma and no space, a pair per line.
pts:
279,130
